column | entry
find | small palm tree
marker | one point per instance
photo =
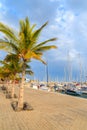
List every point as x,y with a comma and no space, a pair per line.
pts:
5,75
11,70
24,44
14,67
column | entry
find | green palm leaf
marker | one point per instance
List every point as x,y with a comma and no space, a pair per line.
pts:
8,32
43,43
8,46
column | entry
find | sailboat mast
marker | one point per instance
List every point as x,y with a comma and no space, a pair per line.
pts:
80,64
69,68
47,73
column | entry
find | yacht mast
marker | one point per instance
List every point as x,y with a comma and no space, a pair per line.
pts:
80,64
47,76
69,68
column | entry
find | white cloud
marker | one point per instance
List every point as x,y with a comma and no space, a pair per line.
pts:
73,54
64,18
83,24
0,5
72,35
3,11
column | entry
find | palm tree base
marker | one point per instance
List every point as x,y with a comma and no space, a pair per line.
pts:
26,106
8,96
3,87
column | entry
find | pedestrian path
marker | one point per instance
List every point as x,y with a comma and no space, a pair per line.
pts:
51,112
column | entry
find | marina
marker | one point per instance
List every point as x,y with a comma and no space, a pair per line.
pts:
43,65
73,89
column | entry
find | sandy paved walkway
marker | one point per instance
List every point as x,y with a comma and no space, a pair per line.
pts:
52,111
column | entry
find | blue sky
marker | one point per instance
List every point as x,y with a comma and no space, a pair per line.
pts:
67,21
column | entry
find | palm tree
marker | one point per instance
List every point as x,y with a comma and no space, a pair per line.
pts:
5,75
14,67
24,44
10,70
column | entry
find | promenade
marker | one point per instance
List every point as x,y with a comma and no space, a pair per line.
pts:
52,111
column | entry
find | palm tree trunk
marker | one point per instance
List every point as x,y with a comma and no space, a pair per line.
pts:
21,91
12,90
7,86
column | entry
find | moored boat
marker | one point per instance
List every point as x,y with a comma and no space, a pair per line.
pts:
72,92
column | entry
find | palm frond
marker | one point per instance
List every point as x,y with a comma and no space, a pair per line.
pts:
11,57
29,72
43,43
36,33
8,46
45,48
32,27
8,32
